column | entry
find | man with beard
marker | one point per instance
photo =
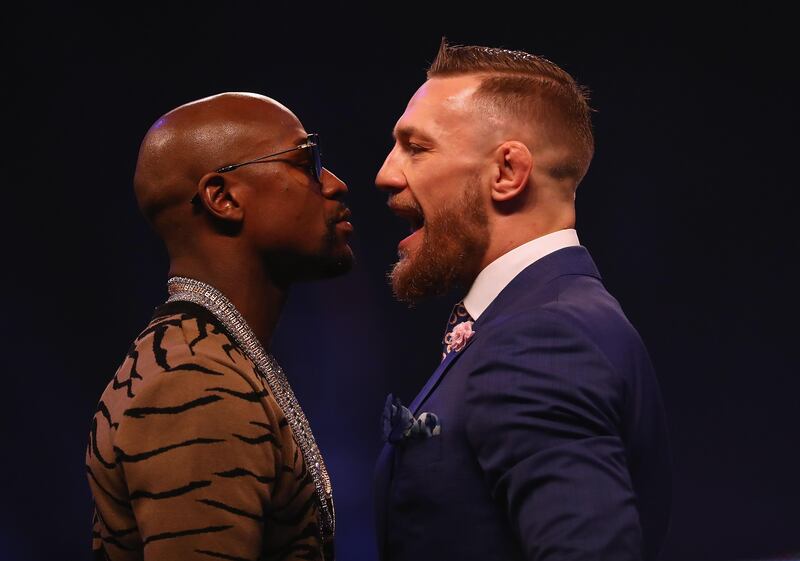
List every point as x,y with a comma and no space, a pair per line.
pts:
199,449
541,434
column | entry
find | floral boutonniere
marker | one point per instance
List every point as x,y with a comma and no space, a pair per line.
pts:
399,423
458,337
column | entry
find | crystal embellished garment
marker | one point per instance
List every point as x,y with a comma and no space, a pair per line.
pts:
190,456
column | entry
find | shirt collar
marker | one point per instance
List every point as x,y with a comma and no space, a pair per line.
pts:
497,274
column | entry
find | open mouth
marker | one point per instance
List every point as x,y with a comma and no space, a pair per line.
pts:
416,221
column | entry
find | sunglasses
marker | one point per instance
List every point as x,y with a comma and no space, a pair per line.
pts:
311,144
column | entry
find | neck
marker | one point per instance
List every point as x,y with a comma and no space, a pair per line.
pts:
244,282
510,232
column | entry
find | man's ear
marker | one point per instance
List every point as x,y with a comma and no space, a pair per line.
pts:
514,164
219,196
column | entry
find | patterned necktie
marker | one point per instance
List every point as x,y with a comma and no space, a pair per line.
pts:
459,330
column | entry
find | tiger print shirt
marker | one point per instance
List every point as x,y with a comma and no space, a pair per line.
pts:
190,457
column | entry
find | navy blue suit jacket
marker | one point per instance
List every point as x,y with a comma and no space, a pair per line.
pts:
553,440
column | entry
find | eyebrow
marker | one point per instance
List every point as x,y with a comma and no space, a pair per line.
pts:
299,141
407,132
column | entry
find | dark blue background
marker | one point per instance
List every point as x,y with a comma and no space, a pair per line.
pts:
686,210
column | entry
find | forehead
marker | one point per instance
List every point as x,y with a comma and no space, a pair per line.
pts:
440,105
276,129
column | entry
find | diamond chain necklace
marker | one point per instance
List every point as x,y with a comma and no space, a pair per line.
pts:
205,295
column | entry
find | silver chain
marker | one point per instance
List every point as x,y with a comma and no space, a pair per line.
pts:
205,295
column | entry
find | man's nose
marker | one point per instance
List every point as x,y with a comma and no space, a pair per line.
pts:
332,186
390,177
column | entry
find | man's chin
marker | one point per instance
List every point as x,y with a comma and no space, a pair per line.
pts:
426,273
335,265
410,283
293,269
339,267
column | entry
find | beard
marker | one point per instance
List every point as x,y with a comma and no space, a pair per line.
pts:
336,258
333,258
454,242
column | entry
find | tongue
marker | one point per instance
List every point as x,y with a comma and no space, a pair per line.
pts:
408,239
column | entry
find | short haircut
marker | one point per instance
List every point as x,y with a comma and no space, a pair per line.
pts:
529,88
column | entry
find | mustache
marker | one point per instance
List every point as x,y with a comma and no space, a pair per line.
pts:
400,206
341,214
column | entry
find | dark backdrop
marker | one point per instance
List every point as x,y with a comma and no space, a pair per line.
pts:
686,210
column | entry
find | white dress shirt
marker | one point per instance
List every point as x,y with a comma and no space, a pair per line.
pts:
497,274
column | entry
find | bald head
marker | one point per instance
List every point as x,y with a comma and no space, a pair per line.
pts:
196,138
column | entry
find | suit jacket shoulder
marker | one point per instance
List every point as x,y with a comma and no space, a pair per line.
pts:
557,371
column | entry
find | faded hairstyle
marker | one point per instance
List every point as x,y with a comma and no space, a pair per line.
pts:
528,88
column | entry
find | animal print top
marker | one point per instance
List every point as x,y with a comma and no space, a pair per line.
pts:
190,457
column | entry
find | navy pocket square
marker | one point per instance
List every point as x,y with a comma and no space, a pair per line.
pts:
399,423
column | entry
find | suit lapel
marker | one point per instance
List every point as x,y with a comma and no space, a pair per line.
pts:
433,381
570,260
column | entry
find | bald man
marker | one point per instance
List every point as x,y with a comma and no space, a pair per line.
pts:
199,449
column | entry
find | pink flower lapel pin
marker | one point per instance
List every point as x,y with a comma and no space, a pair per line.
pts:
458,337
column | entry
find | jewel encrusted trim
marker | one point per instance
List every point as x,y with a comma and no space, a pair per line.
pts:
205,295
